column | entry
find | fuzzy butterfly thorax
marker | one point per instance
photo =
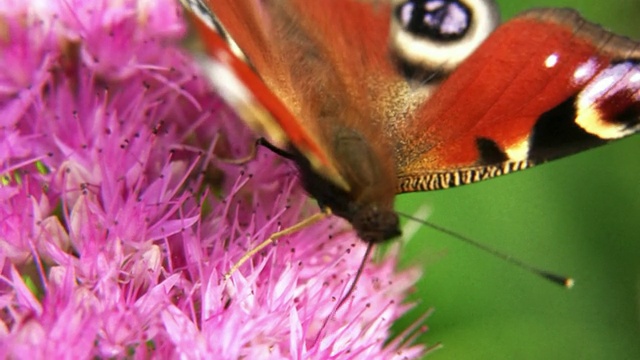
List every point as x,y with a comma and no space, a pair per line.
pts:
376,98
367,206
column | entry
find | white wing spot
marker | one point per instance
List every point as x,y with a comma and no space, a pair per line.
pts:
551,60
519,151
585,71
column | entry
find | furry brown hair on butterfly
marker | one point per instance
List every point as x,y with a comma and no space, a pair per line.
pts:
372,99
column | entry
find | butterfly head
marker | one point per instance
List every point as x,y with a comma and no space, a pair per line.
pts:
375,225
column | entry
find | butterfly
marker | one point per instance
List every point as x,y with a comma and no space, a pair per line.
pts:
375,98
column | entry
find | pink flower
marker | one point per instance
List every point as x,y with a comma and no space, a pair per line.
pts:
119,220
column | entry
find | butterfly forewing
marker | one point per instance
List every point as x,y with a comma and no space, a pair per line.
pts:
233,74
544,85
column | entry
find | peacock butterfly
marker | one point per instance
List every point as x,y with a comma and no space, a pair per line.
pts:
376,98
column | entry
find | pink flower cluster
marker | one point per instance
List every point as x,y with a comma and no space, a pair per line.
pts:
118,218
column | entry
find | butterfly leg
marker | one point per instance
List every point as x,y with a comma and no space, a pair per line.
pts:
254,150
245,159
276,150
291,229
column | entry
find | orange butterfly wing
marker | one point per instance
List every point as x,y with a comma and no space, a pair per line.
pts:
544,85
523,98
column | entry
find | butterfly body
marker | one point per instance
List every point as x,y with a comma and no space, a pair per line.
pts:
375,118
344,108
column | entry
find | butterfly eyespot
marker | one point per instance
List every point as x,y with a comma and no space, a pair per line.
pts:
438,20
608,105
437,35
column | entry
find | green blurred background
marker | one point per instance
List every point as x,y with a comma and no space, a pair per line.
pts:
577,216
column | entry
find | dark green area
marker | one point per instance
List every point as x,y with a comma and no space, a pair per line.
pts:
577,216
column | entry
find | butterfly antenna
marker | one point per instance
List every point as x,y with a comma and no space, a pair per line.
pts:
564,281
352,287
350,290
